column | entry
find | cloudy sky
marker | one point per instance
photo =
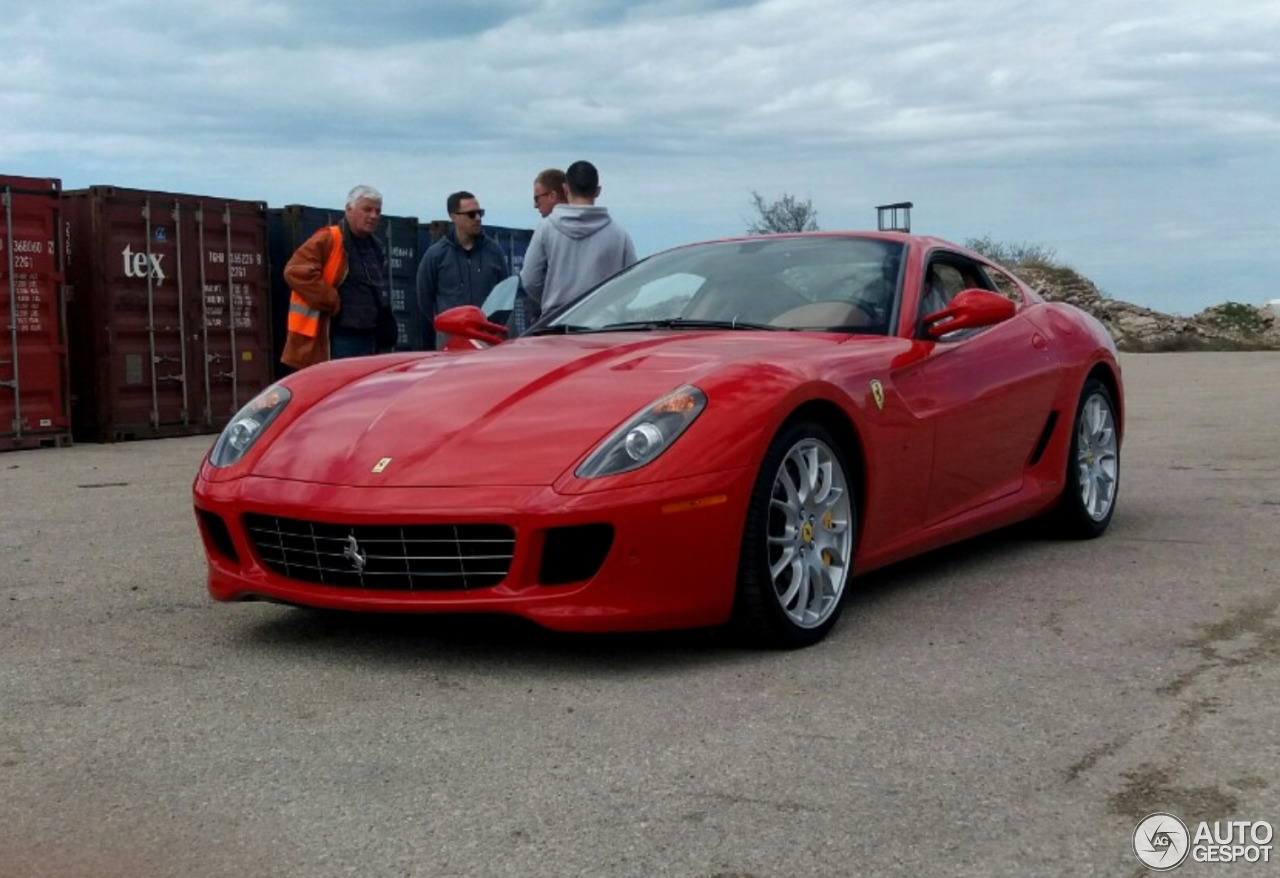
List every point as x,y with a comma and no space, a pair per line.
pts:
1138,140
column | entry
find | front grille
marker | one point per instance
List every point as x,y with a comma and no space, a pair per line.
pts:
419,557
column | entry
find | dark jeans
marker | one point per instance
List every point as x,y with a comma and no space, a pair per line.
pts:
345,343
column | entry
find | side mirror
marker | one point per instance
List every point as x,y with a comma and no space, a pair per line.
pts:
969,310
468,328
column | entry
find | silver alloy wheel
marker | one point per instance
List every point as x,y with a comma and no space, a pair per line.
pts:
1097,456
810,533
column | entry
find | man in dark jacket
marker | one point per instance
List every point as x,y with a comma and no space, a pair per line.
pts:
459,269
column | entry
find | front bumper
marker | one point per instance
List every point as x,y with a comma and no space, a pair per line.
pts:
672,561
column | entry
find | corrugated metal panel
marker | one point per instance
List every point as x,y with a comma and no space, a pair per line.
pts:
401,238
169,311
429,233
290,226
34,380
514,243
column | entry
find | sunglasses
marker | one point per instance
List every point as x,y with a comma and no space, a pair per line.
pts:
474,214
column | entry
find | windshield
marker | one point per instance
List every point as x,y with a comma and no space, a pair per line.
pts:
847,284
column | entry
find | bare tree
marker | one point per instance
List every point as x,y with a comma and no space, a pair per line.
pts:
1013,254
787,214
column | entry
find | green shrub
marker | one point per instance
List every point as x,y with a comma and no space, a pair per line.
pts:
1240,318
1014,254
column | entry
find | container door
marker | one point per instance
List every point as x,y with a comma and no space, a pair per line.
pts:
145,295
34,382
231,329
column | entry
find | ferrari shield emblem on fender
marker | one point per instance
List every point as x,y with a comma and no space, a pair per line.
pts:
382,464
877,392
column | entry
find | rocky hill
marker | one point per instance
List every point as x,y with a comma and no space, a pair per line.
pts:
1230,326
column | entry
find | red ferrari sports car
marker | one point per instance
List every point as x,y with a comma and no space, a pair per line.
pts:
723,433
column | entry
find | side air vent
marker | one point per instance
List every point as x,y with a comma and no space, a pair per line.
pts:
1043,442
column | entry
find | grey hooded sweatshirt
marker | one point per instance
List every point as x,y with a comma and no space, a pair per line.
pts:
574,248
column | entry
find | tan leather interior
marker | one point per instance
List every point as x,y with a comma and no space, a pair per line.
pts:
822,314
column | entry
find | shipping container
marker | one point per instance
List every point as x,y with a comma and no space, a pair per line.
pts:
429,233
168,311
35,394
288,227
401,238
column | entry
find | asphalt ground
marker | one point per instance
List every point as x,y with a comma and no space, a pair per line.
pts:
1010,706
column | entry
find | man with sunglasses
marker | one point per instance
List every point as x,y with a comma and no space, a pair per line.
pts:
549,190
461,268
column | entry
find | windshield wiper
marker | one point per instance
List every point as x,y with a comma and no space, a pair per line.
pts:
557,329
683,323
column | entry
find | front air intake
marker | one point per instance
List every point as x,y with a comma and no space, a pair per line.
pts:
574,554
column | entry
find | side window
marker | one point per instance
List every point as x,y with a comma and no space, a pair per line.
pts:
1003,284
947,276
941,283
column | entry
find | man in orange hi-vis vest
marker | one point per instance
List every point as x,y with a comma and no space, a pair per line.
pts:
336,307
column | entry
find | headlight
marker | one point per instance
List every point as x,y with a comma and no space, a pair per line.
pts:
248,424
646,435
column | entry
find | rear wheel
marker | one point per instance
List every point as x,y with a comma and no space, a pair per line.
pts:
1093,466
797,548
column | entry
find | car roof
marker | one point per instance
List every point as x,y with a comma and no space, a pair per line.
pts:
925,241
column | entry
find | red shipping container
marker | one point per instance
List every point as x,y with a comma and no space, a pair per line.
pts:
168,308
34,394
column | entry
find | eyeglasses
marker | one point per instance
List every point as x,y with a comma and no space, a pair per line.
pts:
474,214
538,196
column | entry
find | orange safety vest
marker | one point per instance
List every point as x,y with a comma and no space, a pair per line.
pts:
303,319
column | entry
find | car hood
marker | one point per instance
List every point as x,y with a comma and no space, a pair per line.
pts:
521,413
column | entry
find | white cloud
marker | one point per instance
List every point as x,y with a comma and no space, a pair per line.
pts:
1093,127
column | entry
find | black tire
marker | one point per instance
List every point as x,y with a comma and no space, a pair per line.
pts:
809,535
1092,482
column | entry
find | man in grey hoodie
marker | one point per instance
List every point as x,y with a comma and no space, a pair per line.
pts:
577,246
